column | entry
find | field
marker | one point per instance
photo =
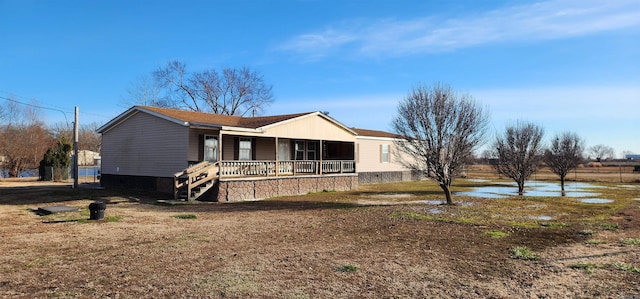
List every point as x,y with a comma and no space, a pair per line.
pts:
380,241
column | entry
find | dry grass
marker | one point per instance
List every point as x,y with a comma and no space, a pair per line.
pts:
367,243
609,174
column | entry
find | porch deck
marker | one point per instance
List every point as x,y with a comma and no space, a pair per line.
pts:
197,179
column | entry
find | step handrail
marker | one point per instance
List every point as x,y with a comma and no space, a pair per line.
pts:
193,177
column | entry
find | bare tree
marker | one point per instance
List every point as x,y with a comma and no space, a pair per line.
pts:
144,91
88,138
518,152
564,154
232,91
24,139
601,152
440,129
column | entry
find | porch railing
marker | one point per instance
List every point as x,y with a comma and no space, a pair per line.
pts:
290,167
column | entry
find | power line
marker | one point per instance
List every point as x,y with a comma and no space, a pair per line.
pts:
49,108
38,106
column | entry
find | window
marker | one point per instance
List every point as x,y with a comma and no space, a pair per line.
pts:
244,149
299,148
312,150
384,153
210,148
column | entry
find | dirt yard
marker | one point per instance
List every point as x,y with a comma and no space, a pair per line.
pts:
381,241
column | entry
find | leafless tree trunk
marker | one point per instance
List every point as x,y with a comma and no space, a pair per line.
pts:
518,152
564,154
440,129
232,91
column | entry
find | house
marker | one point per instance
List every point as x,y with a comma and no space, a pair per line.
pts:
378,160
87,157
228,158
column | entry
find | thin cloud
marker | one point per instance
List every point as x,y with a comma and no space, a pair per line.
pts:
548,20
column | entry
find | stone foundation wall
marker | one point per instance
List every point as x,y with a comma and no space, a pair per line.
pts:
251,189
378,177
241,189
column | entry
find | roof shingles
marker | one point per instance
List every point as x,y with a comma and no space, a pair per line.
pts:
219,119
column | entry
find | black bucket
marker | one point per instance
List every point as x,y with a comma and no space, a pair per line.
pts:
97,210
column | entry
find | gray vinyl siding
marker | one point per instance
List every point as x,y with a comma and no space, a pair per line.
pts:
228,147
195,143
265,149
145,145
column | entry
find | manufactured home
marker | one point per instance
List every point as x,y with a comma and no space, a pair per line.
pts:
197,155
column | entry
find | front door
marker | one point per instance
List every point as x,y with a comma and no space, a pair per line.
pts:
284,153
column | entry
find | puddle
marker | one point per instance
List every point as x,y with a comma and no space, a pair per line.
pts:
433,202
638,199
393,195
596,200
477,180
381,202
442,202
532,188
543,217
435,211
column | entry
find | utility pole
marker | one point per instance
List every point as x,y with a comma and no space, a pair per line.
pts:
75,150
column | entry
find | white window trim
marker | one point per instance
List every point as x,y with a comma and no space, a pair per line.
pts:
215,153
241,149
385,156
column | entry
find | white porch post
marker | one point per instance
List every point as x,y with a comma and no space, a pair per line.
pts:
277,156
219,155
321,146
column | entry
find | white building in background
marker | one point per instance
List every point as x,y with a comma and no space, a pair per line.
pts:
87,157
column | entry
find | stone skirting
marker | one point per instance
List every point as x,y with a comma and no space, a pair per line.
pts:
252,189
377,177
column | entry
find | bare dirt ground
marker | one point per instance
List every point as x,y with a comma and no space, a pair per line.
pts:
381,241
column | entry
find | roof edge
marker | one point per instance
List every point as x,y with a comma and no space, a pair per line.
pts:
132,111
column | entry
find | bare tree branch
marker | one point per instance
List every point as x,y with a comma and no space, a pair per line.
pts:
23,139
232,91
145,91
440,130
518,152
601,152
564,154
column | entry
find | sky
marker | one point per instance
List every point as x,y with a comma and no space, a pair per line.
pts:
566,65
